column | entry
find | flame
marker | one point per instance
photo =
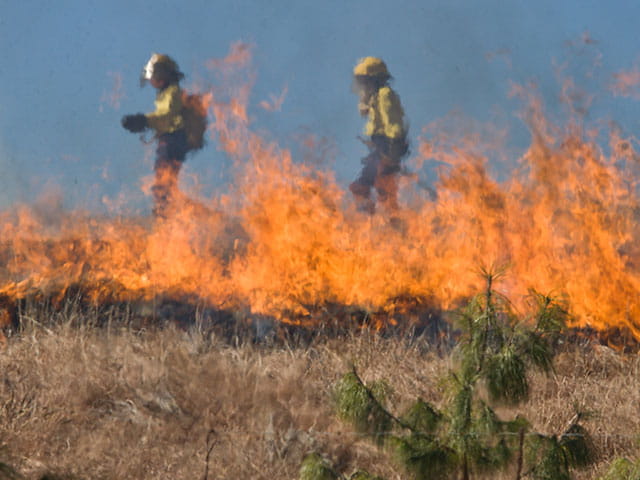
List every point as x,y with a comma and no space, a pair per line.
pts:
286,239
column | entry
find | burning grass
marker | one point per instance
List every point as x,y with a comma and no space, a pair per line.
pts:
118,401
104,385
285,240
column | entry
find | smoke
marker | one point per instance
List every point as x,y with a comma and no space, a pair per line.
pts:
114,96
274,104
626,83
286,240
10,182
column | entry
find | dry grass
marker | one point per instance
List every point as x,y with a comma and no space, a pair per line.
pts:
114,403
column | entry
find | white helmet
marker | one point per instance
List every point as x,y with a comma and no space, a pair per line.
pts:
160,64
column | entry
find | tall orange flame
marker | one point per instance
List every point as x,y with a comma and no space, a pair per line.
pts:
286,238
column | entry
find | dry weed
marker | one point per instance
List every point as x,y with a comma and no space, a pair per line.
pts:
116,403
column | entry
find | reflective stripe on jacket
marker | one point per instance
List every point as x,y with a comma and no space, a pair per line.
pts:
385,115
167,117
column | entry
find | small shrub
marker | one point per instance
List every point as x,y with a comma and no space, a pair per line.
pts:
314,467
495,352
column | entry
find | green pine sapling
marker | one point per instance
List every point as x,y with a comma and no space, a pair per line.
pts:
465,438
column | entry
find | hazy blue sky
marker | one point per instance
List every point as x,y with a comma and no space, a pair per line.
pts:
59,60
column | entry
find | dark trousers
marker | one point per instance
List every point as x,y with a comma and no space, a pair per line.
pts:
170,154
380,170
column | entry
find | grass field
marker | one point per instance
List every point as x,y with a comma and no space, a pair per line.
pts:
116,402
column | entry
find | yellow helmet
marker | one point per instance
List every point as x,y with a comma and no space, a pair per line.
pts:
371,67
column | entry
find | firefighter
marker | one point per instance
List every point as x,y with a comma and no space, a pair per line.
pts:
167,121
386,132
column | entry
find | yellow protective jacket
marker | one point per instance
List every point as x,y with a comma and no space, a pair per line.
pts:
386,116
167,117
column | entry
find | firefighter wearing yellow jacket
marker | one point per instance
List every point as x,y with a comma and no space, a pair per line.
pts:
387,134
167,121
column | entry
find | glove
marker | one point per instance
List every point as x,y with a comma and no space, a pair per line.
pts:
135,123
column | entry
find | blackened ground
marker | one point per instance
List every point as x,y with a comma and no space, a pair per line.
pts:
410,318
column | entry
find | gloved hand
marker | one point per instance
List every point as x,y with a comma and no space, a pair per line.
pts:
135,123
